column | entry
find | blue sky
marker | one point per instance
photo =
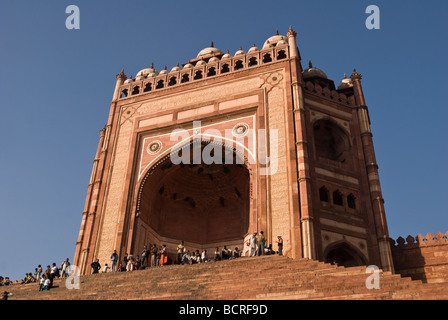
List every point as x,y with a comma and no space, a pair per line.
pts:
56,86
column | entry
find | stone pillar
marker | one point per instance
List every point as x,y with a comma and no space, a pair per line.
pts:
120,80
303,171
382,232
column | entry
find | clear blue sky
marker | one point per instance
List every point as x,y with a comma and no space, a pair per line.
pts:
56,86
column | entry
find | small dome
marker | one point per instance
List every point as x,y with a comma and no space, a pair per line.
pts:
274,40
176,68
207,51
227,55
152,74
281,42
129,80
200,63
164,71
188,65
253,49
241,51
213,59
268,44
313,72
345,83
147,71
140,77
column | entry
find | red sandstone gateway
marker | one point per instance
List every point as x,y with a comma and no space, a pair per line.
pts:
324,197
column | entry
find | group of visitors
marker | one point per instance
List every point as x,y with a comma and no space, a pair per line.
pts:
258,247
156,256
43,277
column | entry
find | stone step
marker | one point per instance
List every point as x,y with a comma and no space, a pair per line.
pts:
266,277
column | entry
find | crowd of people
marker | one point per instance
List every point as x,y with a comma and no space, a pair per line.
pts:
152,256
44,278
156,256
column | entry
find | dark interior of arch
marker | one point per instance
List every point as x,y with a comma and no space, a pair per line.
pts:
343,255
198,202
331,141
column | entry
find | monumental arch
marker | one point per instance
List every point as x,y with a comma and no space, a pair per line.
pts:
225,145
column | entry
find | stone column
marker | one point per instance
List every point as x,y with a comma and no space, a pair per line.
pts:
382,232
303,171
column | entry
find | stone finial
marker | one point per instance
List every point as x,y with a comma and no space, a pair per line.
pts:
310,64
291,32
355,75
212,45
152,65
121,75
345,76
276,32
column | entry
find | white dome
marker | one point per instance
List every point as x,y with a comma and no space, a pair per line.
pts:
345,83
209,50
200,63
147,71
226,55
281,42
176,68
188,65
253,49
274,40
140,77
213,59
152,74
241,51
128,80
164,71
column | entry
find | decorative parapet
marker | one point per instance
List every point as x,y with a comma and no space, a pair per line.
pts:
333,95
205,68
429,239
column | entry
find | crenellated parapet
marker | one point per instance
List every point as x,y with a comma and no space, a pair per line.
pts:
430,239
333,95
423,257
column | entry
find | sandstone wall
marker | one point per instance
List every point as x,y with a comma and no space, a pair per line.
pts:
422,258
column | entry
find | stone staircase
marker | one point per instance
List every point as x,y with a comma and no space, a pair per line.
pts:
256,278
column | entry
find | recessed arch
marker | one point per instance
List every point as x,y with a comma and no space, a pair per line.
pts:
331,141
344,254
202,204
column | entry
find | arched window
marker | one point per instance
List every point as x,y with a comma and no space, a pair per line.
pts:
225,68
136,90
124,93
331,142
238,65
337,198
211,72
253,61
172,81
160,84
351,201
324,195
198,75
281,55
148,87
267,58
185,78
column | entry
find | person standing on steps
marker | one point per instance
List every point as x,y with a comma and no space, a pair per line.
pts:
252,244
260,243
144,262
280,245
180,252
154,252
96,266
113,261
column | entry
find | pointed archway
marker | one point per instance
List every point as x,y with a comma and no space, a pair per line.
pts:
206,205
